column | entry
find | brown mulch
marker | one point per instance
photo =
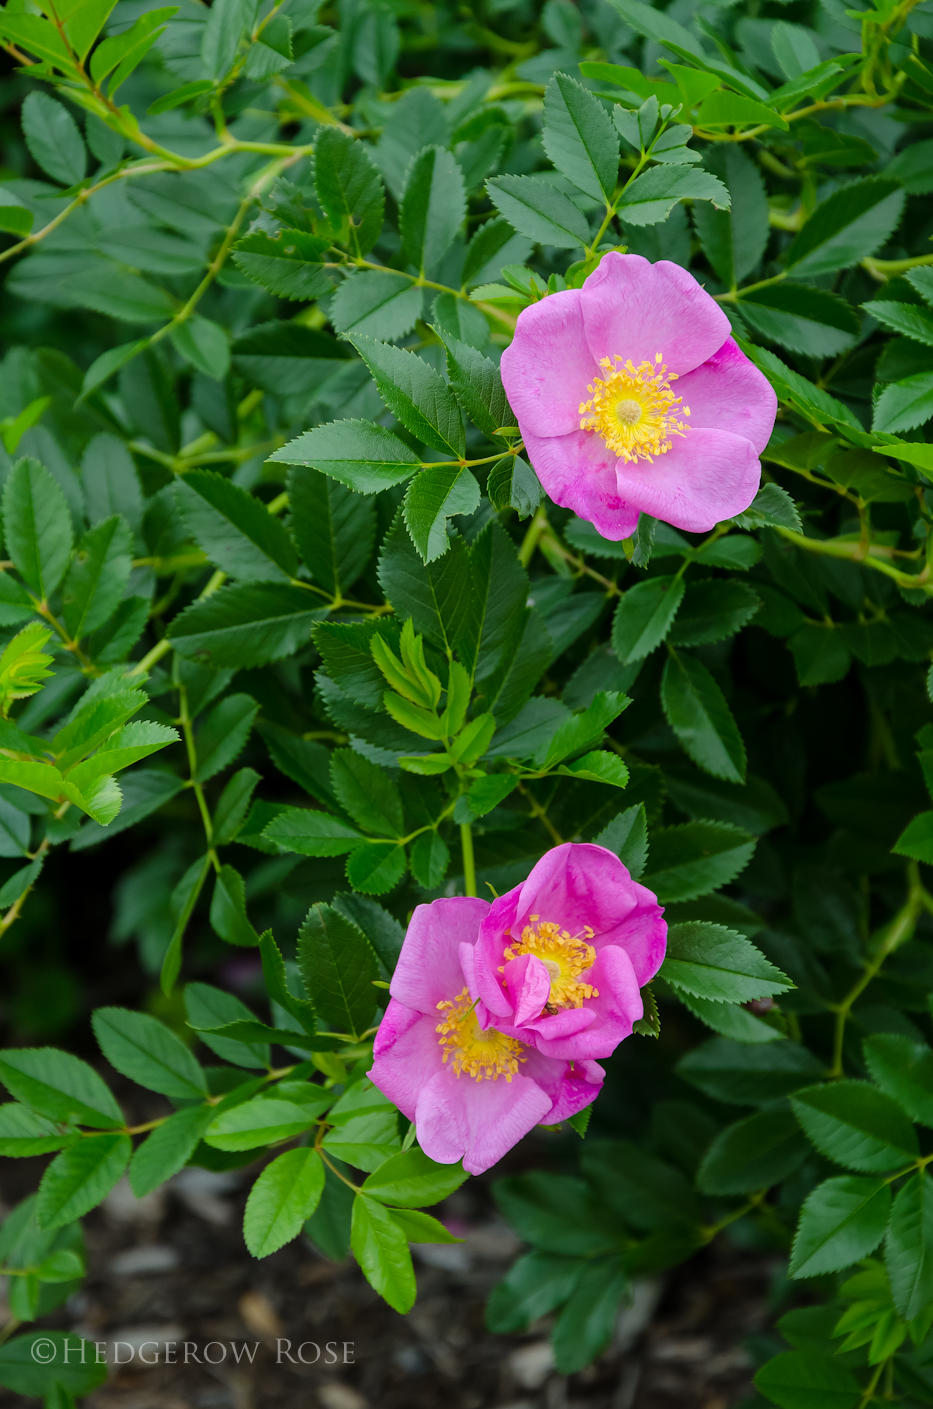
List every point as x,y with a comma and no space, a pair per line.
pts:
173,1267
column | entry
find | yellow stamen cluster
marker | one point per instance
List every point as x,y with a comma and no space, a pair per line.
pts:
564,955
488,1054
633,409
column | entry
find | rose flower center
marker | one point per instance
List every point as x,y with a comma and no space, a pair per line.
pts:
565,956
633,409
488,1054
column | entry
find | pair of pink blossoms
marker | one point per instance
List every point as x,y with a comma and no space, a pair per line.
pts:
632,398
499,1011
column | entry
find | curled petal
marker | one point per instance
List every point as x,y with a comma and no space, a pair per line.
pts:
548,365
706,476
635,309
616,1008
728,393
570,1089
529,987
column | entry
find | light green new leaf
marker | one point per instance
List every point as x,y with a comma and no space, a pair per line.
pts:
169,1147
381,1249
81,1177
283,1197
411,1180
60,1086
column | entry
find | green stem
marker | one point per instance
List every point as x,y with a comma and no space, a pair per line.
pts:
533,533
898,932
469,864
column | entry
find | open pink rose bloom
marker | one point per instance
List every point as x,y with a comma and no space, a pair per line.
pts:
499,1011
632,398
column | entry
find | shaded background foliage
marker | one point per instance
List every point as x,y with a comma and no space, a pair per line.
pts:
774,816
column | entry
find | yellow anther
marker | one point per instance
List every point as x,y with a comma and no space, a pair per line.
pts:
634,410
565,956
479,1054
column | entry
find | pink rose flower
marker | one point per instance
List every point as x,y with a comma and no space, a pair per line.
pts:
632,398
560,960
475,1079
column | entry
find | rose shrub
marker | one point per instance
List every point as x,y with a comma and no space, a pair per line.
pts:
465,647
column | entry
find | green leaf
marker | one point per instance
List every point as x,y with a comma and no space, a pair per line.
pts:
745,1075
752,1154
734,240
170,1146
905,404
651,196
414,392
265,1120
434,496
411,1180
381,1249
713,962
204,345
477,384
81,1177
842,1221
376,868
429,859
644,616
338,966
24,1133
645,1192
286,1194
712,610
724,109
349,187
39,37
377,304
421,1227
558,1213
149,1053
111,482
365,1127
697,711
535,1285
73,1362
538,210
211,1007
696,858
53,138
585,1324
600,766
235,530
808,1379
36,526
367,793
579,138
123,52
627,836
857,1126
909,1247
60,1086
288,263
904,1071
820,654
233,805
223,734
754,806
433,207
852,223
365,457
333,528
311,833
910,319
329,1226
228,909
801,318
97,577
